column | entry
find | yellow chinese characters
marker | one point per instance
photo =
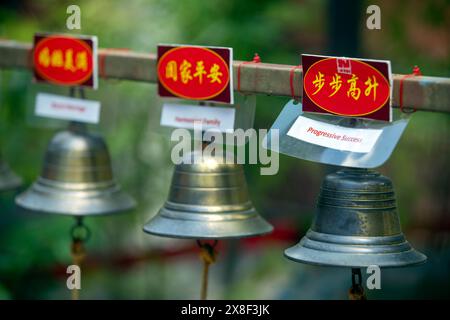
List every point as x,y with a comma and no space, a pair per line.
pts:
63,59
335,84
171,71
214,74
44,57
353,89
319,82
68,63
184,72
200,71
57,59
372,85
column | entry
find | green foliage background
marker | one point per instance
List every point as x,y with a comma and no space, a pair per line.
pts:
34,249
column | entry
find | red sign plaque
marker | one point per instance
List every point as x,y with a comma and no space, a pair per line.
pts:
347,87
65,59
195,73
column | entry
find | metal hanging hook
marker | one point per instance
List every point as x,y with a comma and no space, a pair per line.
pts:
207,246
80,231
76,125
356,276
356,291
81,92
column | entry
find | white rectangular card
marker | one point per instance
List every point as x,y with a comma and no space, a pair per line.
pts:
333,136
185,116
65,108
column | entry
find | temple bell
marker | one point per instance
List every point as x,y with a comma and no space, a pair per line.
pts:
356,225
208,199
76,178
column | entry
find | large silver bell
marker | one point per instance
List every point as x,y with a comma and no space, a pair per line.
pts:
76,178
208,200
356,225
8,179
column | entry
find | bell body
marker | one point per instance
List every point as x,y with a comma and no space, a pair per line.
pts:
356,225
208,200
76,178
8,179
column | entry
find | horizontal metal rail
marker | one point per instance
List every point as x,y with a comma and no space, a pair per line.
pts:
421,92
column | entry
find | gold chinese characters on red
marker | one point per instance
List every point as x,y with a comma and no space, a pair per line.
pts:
347,87
65,60
195,73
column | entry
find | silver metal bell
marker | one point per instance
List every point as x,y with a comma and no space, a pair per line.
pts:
208,200
356,225
76,178
8,179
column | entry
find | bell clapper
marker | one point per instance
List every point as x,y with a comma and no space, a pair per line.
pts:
80,234
356,291
208,255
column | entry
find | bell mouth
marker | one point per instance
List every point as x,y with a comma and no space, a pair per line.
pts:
196,225
76,199
348,251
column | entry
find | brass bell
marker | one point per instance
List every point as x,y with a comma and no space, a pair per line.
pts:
356,224
8,179
76,178
208,200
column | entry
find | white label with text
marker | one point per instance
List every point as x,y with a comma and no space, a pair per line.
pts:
65,108
333,136
185,116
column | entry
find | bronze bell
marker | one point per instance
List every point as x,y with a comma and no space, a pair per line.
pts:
356,224
76,178
8,179
208,200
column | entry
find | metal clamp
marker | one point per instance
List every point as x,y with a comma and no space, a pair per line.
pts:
356,291
210,248
80,231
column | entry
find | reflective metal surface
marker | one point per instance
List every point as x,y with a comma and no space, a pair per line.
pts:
380,153
207,200
356,224
76,178
8,179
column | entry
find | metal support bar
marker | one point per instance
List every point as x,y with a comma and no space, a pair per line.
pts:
423,93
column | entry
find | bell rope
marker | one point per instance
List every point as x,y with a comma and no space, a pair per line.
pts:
208,255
